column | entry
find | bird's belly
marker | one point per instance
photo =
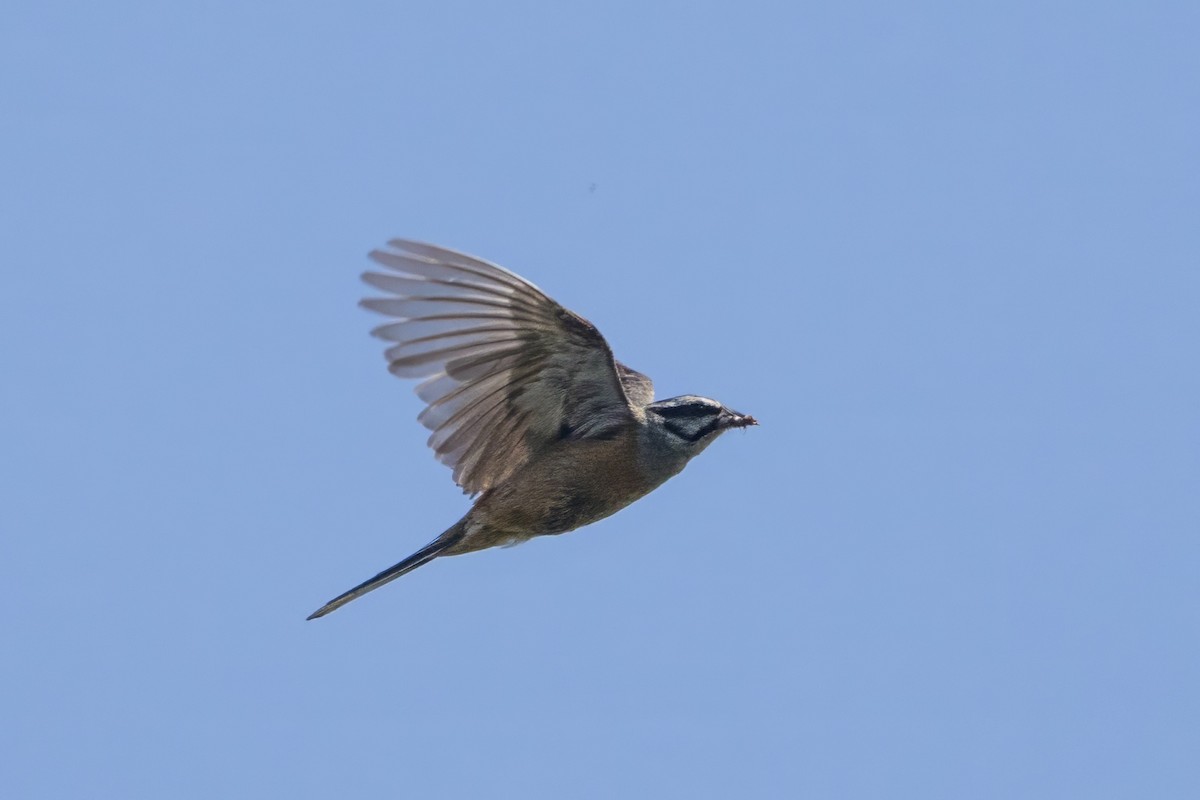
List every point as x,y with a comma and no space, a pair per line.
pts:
558,497
571,505
574,509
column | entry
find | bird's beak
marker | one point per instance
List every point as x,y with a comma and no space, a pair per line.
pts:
732,419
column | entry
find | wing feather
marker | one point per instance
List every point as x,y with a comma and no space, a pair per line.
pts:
506,369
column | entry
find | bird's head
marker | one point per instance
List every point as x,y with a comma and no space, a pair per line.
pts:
692,423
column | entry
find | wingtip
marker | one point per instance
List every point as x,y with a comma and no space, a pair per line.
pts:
404,244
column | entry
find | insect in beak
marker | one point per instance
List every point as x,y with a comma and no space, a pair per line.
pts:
732,419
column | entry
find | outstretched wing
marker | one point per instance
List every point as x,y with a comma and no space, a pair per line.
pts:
507,370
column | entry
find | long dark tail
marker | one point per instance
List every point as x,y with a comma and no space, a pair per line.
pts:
423,556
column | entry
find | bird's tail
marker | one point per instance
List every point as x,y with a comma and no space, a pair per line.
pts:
423,556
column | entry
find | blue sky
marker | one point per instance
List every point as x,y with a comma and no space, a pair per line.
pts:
947,253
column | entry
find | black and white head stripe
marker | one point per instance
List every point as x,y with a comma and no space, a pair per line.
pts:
689,417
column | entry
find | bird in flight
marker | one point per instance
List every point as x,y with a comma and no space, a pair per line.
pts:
526,403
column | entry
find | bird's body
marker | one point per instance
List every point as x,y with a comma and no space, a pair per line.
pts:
526,404
572,484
